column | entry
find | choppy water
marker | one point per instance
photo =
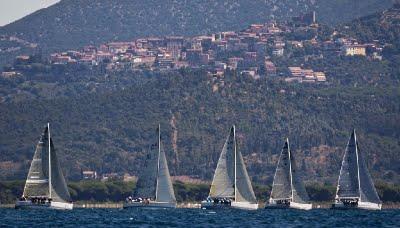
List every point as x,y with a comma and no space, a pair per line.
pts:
198,218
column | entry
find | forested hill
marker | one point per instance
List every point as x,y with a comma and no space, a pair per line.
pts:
75,23
111,132
105,121
383,26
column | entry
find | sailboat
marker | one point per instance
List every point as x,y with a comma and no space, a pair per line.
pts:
154,187
231,186
288,190
45,186
355,187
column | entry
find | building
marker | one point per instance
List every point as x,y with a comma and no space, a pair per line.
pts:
278,52
320,76
174,46
270,69
354,49
296,72
89,175
9,74
308,75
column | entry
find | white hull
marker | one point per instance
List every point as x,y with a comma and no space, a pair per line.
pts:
359,205
235,205
52,205
151,204
244,205
291,205
301,206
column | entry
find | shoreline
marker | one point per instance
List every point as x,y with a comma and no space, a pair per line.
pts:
189,206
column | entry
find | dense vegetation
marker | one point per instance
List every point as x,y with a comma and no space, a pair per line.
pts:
117,191
111,131
105,121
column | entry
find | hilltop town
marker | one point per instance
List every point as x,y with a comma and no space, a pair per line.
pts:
256,51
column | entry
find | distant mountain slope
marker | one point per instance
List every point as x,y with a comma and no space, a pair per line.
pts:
110,132
74,23
383,26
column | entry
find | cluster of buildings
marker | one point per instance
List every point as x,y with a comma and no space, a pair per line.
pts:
248,52
297,74
251,52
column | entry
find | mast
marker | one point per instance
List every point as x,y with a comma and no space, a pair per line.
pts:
234,142
48,132
358,166
158,160
290,167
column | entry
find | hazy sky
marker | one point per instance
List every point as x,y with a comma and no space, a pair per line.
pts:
11,10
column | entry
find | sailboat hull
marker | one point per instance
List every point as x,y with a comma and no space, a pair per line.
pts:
151,204
244,205
214,206
359,205
52,205
235,205
291,205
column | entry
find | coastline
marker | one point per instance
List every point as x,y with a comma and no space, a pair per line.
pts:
190,205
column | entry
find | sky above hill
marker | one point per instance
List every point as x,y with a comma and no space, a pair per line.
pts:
12,10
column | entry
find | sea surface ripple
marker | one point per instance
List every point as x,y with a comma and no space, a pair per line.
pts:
197,218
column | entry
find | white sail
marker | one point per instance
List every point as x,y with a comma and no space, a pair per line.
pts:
224,177
42,183
287,183
281,186
244,190
231,179
154,181
165,190
37,182
355,181
59,189
367,188
348,185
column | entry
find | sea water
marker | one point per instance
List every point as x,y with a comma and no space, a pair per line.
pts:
198,218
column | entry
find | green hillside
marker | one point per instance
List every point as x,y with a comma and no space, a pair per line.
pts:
110,132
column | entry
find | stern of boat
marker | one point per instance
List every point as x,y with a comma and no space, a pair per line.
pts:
301,206
245,205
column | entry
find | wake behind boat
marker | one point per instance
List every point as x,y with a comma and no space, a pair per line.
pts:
45,186
154,187
231,186
355,187
288,190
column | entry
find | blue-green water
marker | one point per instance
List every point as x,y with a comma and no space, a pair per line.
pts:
198,218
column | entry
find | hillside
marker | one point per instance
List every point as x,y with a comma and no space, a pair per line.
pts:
75,23
110,132
383,26
105,120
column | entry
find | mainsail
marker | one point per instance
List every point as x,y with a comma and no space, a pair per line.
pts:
281,186
155,181
37,182
354,179
224,177
231,179
348,178
287,183
39,177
